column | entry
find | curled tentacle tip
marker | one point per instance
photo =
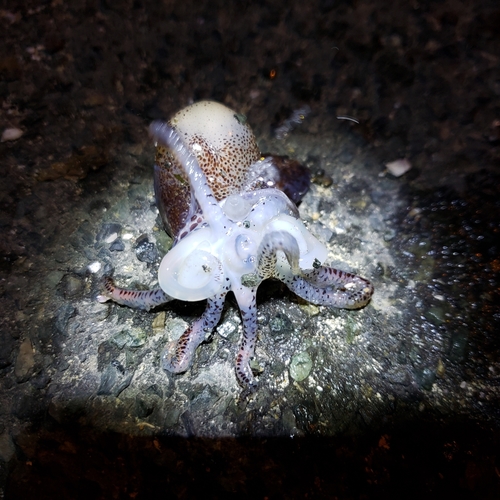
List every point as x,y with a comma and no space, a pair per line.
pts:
106,287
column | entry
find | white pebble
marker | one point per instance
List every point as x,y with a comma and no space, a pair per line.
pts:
11,134
94,267
399,167
111,238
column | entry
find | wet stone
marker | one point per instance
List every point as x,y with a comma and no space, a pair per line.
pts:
63,255
114,380
71,286
29,404
106,352
145,404
389,234
376,222
99,310
300,366
346,156
6,348
25,361
436,315
7,448
163,242
425,378
159,322
146,250
40,381
154,390
172,414
63,315
280,325
289,422
117,246
83,236
129,338
53,279
458,344
108,232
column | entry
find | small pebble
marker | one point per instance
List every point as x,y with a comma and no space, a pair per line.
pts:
301,366
94,267
25,360
11,134
399,167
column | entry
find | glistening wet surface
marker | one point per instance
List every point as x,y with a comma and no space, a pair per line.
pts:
401,394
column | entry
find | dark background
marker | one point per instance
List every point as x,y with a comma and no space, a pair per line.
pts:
83,79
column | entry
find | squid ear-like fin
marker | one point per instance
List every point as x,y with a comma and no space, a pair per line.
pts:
279,172
161,202
174,198
164,135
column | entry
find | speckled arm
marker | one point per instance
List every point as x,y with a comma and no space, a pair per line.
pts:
138,299
330,287
177,357
267,258
247,343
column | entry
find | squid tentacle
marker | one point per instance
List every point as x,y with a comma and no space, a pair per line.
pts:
247,342
164,134
330,287
178,356
267,257
137,299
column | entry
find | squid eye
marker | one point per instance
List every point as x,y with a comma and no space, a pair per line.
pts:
190,271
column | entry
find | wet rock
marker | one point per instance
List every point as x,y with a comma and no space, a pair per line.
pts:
300,366
117,246
146,250
346,156
63,254
114,379
11,134
83,236
7,344
163,242
99,310
40,381
145,404
66,411
7,448
458,344
280,325
25,361
436,315
159,322
71,286
106,352
63,315
108,233
425,378
29,405
130,337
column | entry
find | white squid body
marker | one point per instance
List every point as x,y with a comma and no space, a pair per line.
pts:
216,257
232,229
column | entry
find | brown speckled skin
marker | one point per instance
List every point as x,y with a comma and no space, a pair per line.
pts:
226,170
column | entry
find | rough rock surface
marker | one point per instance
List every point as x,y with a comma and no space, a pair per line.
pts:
402,394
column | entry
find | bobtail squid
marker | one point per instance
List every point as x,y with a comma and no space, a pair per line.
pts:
232,214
